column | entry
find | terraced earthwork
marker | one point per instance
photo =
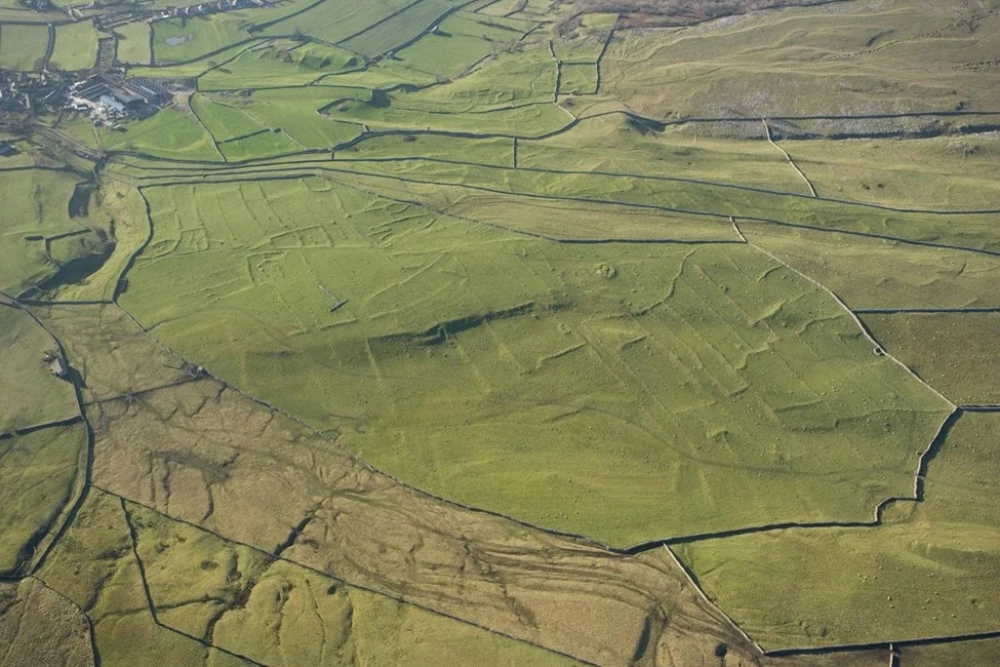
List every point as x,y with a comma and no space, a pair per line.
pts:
501,333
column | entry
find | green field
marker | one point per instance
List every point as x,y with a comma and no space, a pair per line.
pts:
22,46
185,39
501,332
172,133
882,273
134,44
35,218
400,29
589,320
460,53
300,114
708,199
927,572
955,352
224,121
278,63
94,568
263,144
32,395
333,22
953,173
76,47
36,484
578,79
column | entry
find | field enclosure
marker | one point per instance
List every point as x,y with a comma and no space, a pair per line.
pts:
476,346
502,332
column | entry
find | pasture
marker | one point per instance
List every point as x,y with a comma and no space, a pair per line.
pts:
278,63
134,43
334,23
76,47
923,573
185,39
474,368
884,273
403,27
174,132
36,214
22,46
505,332
944,173
954,352
37,482
578,79
32,395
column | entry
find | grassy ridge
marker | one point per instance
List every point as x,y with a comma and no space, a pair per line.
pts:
470,412
278,63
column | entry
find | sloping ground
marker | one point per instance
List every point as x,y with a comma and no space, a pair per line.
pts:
30,394
39,477
680,12
897,57
36,209
40,627
955,352
177,587
389,255
338,518
880,273
583,388
928,571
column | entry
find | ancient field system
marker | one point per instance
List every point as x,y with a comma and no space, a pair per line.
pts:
500,332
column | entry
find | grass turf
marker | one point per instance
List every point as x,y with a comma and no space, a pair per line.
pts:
76,47
37,481
955,353
925,573
635,337
22,46
30,393
134,43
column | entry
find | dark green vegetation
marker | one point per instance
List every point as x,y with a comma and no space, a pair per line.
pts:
506,333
